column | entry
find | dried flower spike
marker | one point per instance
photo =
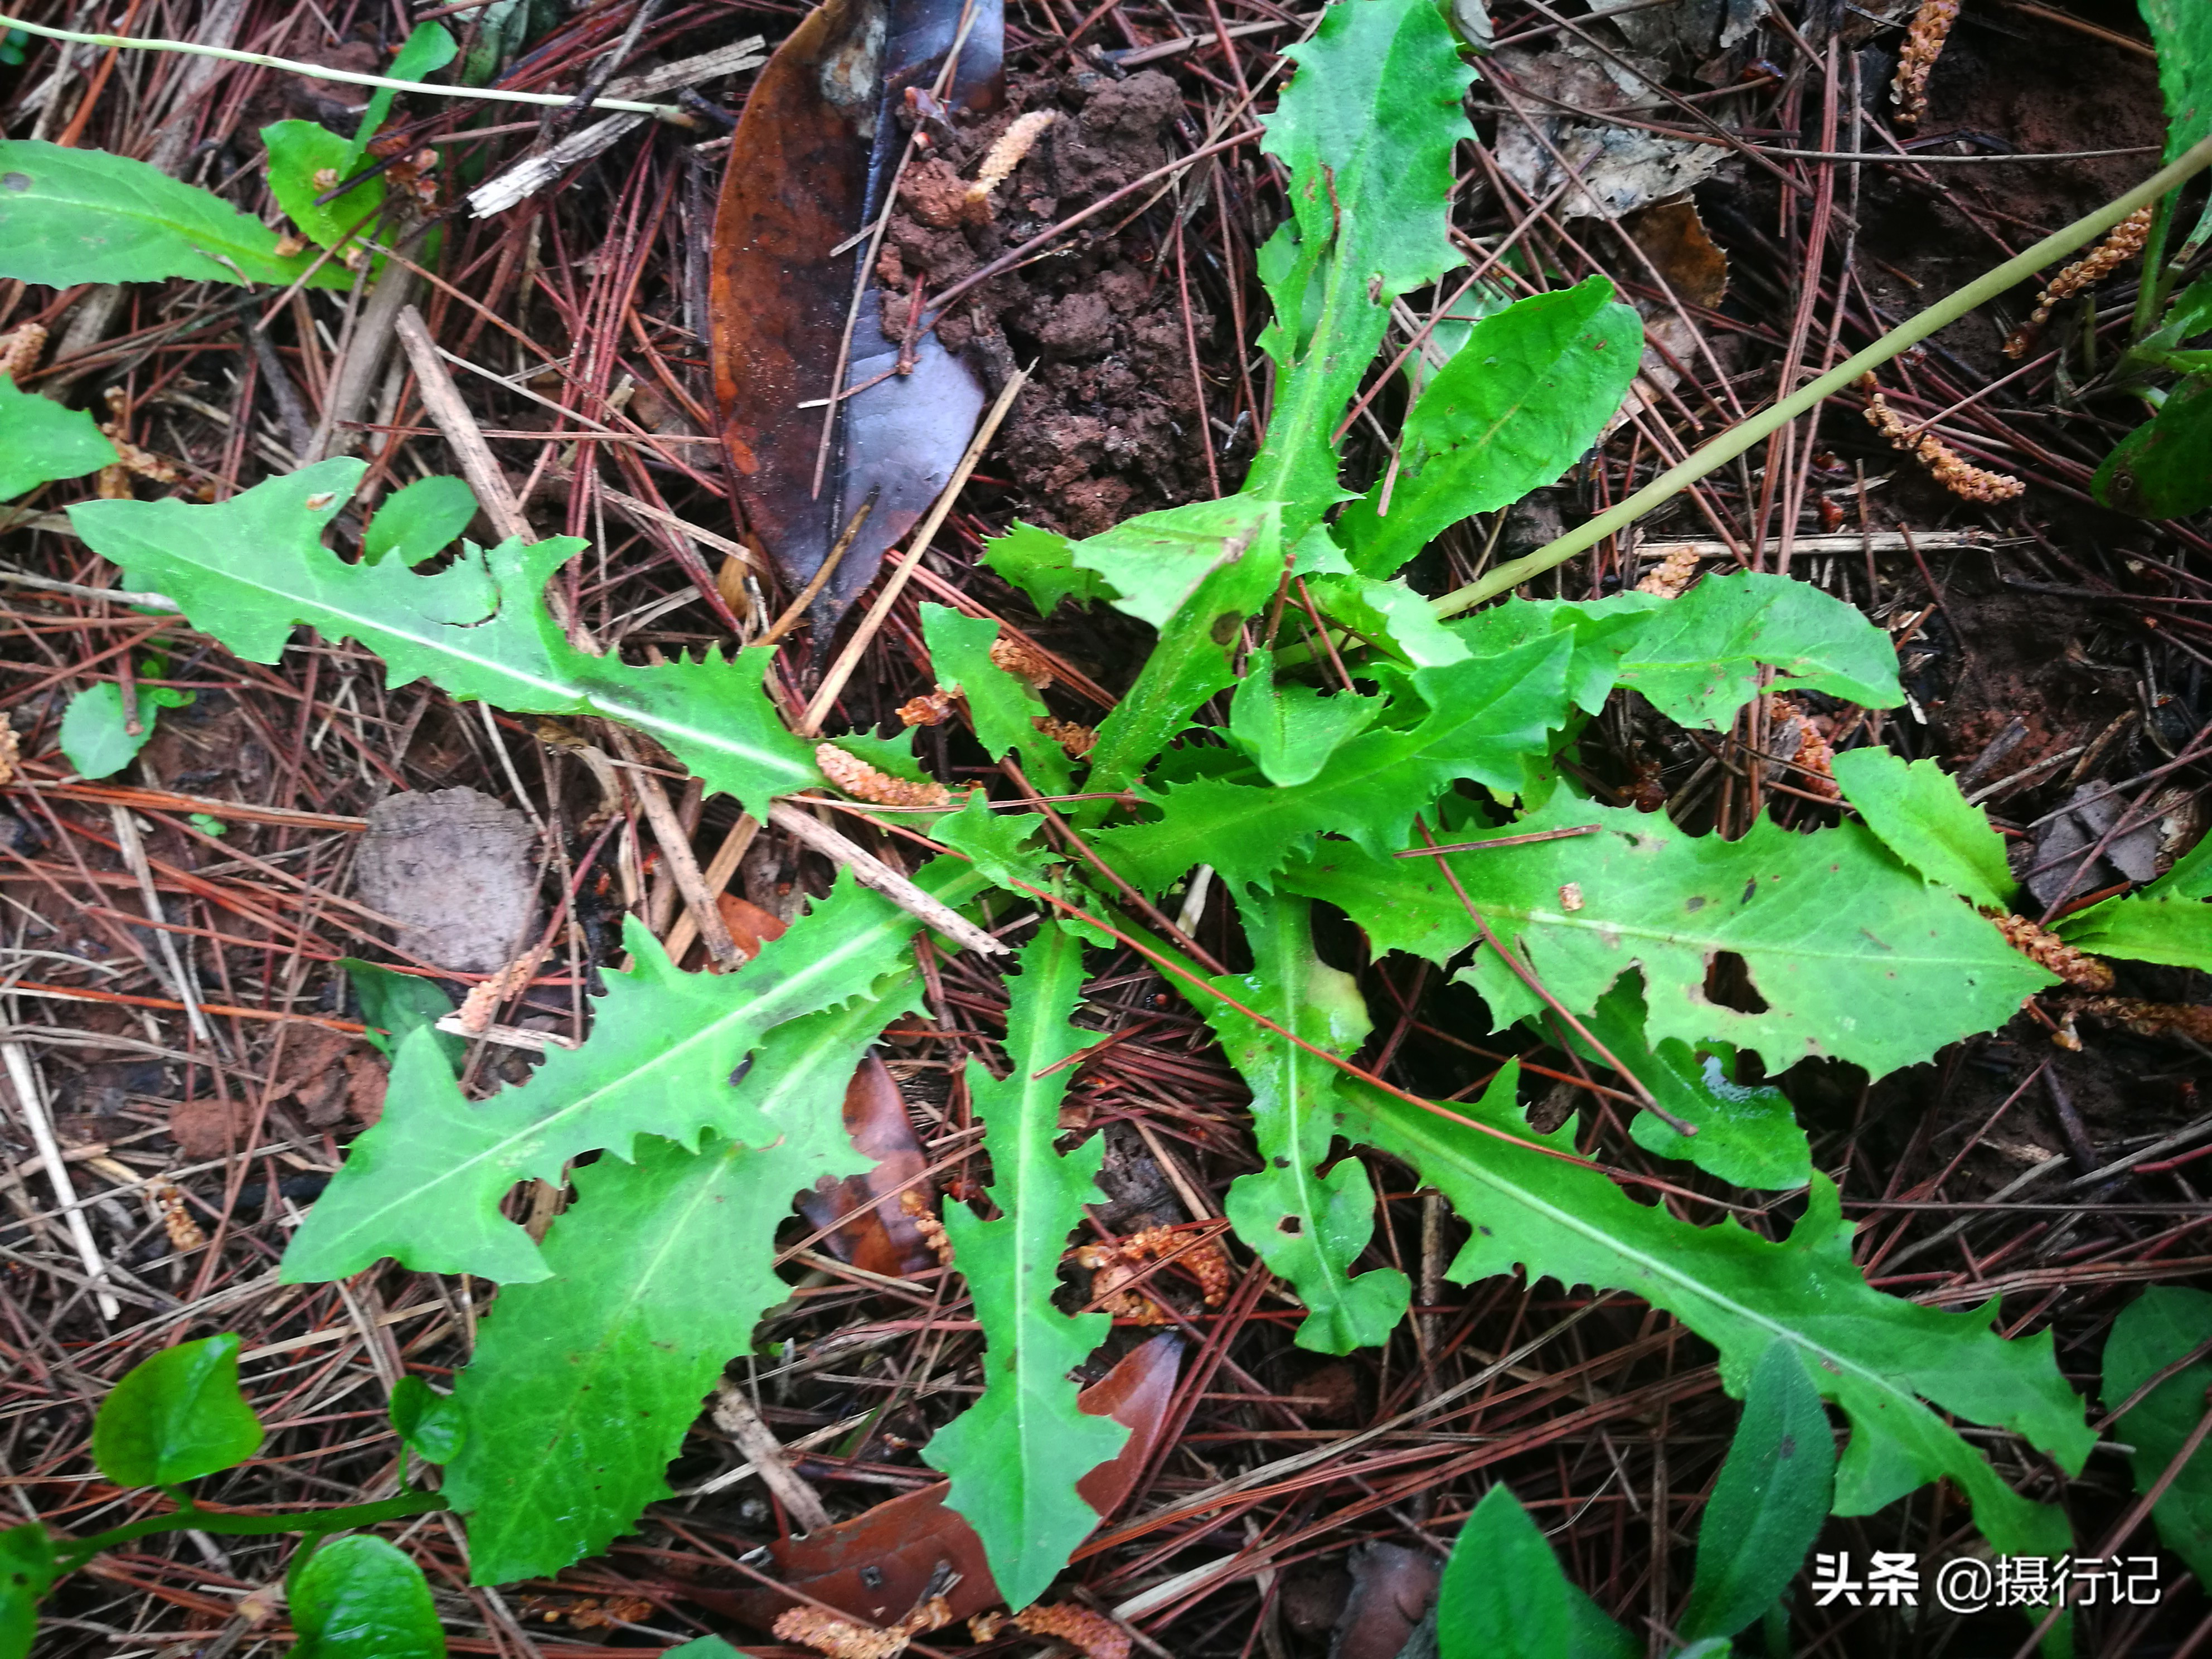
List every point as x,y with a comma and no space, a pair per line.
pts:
19,351
8,742
1078,740
2192,1020
1949,468
842,1640
1023,660
926,1223
1924,45
1006,154
1672,573
2125,242
2077,967
931,708
864,782
1094,1633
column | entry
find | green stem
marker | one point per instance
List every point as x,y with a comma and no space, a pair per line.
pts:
1738,439
317,71
191,1516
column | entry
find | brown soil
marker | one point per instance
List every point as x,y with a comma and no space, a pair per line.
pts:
1106,428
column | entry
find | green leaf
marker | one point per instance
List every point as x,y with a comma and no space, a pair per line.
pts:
360,1597
1307,1227
584,1384
1486,717
1517,405
176,1417
1197,572
207,824
707,1647
2182,32
94,736
2157,1328
1696,657
27,1569
1747,1137
82,215
999,843
1157,563
422,519
1877,1357
423,1185
428,1424
1769,1502
298,151
2163,468
2176,932
1290,730
479,628
427,49
1003,708
1502,1595
1042,563
1014,1456
393,1005
41,440
1916,811
1390,614
1366,129
1912,969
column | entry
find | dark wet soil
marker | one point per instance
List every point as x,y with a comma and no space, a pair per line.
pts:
1108,428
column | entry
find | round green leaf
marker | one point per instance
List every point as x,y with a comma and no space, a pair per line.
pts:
40,440
177,1417
27,1568
420,520
430,1423
361,1598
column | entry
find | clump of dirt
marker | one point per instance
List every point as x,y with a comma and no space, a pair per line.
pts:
1110,425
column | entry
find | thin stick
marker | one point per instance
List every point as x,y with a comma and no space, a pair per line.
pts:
674,112
31,1098
872,872
134,859
676,847
796,608
442,398
720,869
1709,457
809,723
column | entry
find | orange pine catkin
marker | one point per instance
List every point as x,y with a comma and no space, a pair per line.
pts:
1924,45
864,782
1949,468
2122,244
2076,967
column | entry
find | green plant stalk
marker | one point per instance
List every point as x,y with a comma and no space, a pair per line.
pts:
1738,439
216,1520
316,72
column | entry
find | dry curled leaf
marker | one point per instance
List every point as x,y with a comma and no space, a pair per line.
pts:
864,782
900,1551
871,1229
806,175
2077,967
